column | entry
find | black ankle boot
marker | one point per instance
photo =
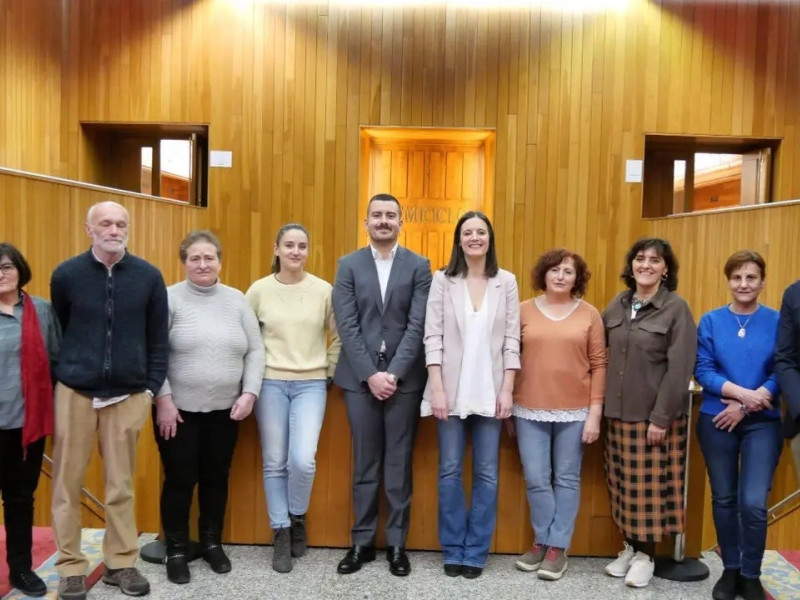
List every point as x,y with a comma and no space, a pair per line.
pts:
299,539
28,582
213,553
727,585
176,559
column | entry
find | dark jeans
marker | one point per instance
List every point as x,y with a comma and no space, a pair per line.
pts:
465,532
18,481
740,467
200,453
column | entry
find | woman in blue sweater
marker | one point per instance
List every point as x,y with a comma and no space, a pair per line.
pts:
739,428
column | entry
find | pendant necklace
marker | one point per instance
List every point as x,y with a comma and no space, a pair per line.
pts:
637,304
743,326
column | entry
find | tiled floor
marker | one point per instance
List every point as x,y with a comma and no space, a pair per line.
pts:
315,577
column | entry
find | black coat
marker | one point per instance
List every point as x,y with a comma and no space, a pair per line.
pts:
787,358
115,325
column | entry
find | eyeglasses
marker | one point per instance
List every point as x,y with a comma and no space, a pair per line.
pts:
7,268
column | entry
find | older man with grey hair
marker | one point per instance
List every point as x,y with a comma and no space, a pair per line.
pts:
113,311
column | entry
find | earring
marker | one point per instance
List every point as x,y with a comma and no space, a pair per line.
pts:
664,277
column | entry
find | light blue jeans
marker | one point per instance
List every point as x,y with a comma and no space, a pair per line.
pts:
551,461
289,415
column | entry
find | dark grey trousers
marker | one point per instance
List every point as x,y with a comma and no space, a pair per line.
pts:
383,437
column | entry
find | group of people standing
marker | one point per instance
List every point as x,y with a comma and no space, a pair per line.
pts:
458,346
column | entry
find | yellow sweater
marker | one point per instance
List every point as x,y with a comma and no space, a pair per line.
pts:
297,327
563,362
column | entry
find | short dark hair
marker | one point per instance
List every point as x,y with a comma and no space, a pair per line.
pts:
199,235
458,263
553,258
664,250
737,259
384,198
276,262
19,262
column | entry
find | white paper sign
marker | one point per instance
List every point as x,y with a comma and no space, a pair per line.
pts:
633,171
221,158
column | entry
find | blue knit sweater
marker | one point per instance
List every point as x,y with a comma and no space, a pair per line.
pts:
723,356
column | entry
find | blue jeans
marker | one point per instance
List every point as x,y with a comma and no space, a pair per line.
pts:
740,467
551,456
289,415
465,536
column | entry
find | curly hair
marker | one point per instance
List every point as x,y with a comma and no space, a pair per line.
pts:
553,258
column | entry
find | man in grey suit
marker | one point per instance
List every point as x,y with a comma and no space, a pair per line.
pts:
379,300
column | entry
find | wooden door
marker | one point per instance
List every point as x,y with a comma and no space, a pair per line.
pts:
435,184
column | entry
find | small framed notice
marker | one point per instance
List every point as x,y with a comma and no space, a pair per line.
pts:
633,171
221,158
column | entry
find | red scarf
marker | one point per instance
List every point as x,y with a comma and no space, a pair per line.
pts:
37,387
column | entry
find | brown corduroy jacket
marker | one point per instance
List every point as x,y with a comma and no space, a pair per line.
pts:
650,358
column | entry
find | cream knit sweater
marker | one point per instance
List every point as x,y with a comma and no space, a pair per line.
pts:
215,348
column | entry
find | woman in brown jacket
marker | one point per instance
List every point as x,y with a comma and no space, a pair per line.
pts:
652,345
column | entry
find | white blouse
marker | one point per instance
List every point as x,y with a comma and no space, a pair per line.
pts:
475,395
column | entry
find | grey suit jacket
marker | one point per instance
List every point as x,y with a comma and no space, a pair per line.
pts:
364,320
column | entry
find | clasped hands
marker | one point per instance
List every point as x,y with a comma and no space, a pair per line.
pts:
382,385
168,416
751,400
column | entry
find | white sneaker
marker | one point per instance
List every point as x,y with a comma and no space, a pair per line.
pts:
641,571
619,566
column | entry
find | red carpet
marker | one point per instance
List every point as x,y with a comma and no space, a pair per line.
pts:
43,548
43,551
792,557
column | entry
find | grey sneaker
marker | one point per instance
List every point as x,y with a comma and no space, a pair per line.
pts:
128,580
282,550
531,560
72,588
553,565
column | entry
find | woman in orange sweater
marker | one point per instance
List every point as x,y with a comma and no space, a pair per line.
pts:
558,402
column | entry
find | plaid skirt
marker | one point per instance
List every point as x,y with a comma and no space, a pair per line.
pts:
645,483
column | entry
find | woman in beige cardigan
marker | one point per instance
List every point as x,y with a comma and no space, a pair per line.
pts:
472,353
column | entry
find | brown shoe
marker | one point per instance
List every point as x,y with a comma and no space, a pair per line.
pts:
553,565
128,579
72,588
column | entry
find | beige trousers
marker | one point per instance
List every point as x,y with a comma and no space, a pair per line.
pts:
117,428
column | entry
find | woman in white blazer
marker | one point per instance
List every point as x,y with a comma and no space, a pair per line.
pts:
472,352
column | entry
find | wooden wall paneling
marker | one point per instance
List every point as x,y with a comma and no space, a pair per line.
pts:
287,89
45,220
703,242
30,68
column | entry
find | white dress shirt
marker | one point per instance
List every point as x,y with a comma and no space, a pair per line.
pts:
384,267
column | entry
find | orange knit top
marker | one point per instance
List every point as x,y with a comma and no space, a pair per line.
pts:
563,362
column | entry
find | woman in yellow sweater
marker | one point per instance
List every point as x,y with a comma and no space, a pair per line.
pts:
558,402
302,346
